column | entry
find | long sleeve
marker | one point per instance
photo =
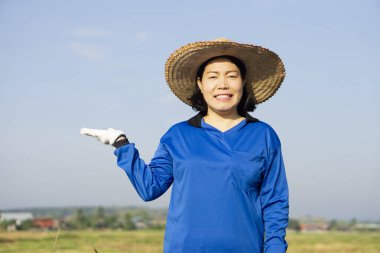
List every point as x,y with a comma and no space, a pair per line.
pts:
150,180
275,203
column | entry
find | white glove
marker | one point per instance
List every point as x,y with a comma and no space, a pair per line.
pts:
108,136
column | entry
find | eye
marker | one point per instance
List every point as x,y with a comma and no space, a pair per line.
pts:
211,77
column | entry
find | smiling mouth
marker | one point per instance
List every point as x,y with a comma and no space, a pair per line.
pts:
223,96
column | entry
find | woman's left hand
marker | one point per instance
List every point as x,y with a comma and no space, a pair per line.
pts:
108,136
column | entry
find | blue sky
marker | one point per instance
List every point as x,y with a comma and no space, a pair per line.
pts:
98,64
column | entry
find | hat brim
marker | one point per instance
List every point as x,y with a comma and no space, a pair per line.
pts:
265,70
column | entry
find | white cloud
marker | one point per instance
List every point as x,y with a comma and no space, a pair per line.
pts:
91,32
88,51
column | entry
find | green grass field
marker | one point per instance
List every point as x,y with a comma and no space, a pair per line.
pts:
150,241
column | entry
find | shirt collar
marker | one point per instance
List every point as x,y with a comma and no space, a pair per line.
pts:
196,120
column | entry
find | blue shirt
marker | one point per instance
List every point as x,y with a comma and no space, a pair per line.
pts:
229,189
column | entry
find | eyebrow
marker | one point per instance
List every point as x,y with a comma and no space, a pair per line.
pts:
216,72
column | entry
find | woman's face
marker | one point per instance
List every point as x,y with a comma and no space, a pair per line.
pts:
221,86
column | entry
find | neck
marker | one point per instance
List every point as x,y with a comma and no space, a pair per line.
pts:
217,117
223,122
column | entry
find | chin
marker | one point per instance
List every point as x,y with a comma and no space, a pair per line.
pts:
224,110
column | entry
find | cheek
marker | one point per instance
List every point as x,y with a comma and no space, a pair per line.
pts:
239,90
241,93
208,89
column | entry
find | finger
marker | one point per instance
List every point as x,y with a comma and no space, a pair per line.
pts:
90,132
84,130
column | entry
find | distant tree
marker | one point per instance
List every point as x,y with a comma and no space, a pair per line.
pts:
333,225
99,213
339,225
344,226
353,223
4,224
81,221
157,226
112,221
143,214
294,224
99,218
26,225
128,224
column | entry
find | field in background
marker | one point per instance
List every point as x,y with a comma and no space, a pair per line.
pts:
150,241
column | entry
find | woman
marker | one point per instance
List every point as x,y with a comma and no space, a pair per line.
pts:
230,191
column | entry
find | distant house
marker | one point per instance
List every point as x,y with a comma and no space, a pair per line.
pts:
139,222
314,227
11,227
157,222
18,217
367,226
45,223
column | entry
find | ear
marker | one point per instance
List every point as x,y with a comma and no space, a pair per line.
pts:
199,82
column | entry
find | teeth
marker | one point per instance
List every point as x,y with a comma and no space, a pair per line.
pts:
223,96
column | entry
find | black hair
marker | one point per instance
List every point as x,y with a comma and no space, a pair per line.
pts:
246,104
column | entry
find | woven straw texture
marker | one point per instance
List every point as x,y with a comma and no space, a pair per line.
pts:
265,70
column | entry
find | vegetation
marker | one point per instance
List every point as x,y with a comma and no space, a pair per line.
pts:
334,242
294,224
150,241
94,218
123,230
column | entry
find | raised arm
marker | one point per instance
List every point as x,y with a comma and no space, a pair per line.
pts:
149,180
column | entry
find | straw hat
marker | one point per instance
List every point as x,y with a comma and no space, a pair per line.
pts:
265,70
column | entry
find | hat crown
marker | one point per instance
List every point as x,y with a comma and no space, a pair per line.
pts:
222,40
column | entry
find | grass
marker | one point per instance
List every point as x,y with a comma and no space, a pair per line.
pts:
334,242
150,241
147,241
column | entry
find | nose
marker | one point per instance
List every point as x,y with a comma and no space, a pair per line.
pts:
223,83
